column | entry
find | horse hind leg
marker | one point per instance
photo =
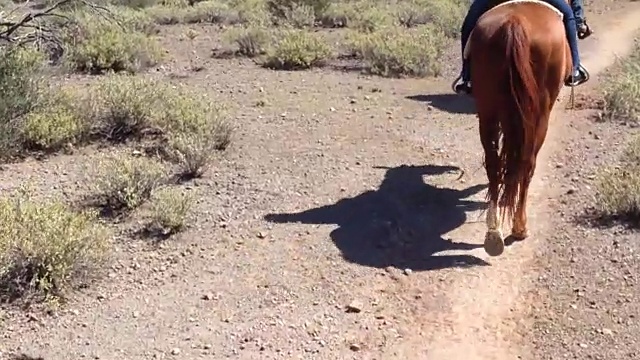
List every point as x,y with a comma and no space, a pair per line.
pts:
519,231
489,134
493,241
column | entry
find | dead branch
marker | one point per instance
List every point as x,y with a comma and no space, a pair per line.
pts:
32,29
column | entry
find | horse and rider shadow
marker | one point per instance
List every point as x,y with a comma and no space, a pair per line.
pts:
401,224
451,103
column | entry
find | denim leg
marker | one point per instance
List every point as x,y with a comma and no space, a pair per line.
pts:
578,11
477,8
570,29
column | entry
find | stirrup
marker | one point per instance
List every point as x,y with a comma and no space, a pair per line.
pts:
455,82
570,81
464,84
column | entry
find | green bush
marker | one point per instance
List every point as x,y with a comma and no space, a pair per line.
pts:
296,50
395,52
196,130
362,15
125,106
250,41
97,44
44,247
54,124
169,210
283,9
23,89
251,12
207,12
193,128
298,16
233,12
136,4
446,15
126,182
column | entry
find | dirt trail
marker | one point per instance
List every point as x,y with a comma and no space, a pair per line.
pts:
484,325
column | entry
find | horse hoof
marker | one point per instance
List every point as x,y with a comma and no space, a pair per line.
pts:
519,235
493,243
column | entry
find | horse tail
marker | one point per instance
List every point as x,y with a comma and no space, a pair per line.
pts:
522,114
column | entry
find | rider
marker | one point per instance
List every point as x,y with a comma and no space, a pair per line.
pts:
574,24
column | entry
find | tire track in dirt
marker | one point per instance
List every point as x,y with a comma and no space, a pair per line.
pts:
484,321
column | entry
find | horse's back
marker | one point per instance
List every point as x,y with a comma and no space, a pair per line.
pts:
544,26
546,40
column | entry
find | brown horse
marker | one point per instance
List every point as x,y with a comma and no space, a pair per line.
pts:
520,61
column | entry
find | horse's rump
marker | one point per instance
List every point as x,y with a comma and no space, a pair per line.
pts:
467,48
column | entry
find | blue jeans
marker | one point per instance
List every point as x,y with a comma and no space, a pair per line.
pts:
479,7
578,11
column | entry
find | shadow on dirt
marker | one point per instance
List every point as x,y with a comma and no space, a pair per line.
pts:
401,224
451,103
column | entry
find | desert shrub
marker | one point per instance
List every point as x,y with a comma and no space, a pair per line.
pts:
250,41
253,12
207,12
136,4
363,15
284,9
196,130
132,20
166,15
447,15
297,49
126,182
168,211
177,3
298,16
56,122
622,90
395,52
97,44
22,86
124,106
44,247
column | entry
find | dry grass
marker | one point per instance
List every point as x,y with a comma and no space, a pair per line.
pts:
622,91
618,195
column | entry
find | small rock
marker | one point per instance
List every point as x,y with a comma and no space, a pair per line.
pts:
175,351
354,307
355,347
407,271
606,331
262,235
207,296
